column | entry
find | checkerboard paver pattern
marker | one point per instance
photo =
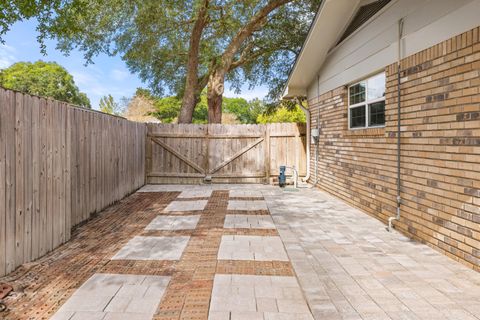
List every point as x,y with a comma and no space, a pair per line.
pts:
115,296
42,287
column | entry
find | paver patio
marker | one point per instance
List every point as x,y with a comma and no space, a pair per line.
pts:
319,258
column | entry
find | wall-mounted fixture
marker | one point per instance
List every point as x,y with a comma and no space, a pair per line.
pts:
315,135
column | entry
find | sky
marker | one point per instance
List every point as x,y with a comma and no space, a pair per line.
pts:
108,75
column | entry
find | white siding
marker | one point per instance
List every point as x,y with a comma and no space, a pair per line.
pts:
374,46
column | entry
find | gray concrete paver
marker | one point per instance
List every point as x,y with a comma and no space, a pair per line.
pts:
177,206
133,298
367,272
259,248
170,223
153,248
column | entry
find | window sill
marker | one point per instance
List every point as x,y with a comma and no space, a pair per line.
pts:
367,132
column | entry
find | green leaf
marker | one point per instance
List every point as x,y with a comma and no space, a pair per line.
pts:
46,79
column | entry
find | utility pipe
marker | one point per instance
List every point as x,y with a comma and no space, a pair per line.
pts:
399,198
316,149
317,141
295,181
295,175
307,116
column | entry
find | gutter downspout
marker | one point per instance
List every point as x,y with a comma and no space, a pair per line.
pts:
399,198
308,119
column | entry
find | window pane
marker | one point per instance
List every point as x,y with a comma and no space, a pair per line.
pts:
357,93
376,87
357,117
376,113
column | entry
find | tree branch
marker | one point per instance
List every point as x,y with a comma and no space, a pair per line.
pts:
244,58
247,56
255,23
202,81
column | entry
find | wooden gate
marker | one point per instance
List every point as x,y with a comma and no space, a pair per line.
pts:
188,153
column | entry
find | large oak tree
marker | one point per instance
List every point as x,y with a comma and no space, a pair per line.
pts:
183,46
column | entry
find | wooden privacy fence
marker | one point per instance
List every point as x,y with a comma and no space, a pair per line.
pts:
58,165
187,153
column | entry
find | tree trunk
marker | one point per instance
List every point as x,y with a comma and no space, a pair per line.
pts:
215,88
216,81
191,94
189,101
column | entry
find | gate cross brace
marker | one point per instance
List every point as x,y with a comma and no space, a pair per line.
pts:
236,155
178,155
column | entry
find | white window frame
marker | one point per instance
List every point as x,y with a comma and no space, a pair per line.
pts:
364,103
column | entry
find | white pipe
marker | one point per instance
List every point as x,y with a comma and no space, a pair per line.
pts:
399,198
295,175
295,182
317,141
307,116
316,150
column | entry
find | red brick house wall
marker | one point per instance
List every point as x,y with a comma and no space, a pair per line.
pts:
440,163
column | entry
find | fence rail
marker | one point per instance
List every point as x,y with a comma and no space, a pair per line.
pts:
58,165
187,153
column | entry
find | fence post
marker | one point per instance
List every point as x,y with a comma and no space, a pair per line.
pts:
148,152
267,153
207,151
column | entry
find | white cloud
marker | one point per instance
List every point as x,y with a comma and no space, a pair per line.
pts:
119,75
91,81
7,56
248,94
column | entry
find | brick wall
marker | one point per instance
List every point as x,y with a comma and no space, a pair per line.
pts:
440,163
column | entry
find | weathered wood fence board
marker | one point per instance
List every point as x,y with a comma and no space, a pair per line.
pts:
58,165
187,153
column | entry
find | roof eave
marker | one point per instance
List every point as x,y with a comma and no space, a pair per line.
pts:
285,94
325,30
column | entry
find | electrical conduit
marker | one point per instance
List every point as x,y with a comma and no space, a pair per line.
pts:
307,116
399,198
